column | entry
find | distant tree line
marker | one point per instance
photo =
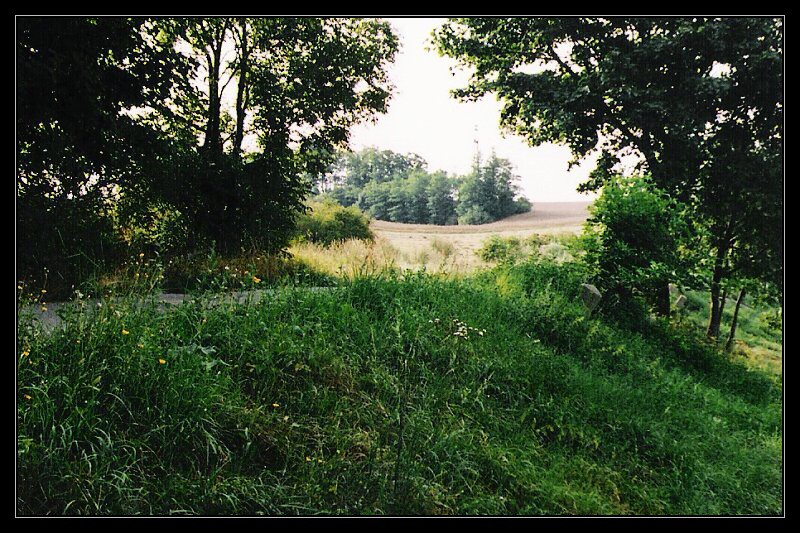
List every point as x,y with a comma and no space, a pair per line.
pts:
399,188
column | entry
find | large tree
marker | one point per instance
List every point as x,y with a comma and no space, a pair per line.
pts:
77,143
700,100
275,97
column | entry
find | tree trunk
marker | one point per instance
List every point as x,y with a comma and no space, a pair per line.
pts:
715,317
722,301
242,90
732,334
662,299
213,140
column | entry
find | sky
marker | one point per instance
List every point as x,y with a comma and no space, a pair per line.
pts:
424,119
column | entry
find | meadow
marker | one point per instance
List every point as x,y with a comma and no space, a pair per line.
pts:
392,391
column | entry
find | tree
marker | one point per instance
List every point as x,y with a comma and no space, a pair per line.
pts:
489,192
300,84
441,204
700,100
78,143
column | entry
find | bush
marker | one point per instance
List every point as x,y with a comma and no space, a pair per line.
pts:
500,250
632,239
327,222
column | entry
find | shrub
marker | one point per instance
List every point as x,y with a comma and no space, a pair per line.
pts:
632,239
327,222
500,250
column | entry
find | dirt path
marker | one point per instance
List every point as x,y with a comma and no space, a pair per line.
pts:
50,317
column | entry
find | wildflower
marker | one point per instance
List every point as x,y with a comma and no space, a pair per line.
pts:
140,345
256,280
25,353
126,332
162,362
44,308
27,397
141,255
286,418
44,291
276,405
308,459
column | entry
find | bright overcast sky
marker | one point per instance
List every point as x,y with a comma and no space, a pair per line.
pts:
424,119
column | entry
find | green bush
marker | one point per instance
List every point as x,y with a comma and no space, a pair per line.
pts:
632,240
500,249
327,222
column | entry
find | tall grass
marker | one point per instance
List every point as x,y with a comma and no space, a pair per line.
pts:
390,394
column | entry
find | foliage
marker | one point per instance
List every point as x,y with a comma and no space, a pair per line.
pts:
399,188
327,222
500,250
489,193
124,118
632,240
76,145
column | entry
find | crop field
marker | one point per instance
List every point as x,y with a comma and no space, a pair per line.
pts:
417,244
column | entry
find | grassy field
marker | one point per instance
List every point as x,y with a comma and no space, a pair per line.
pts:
420,245
448,389
391,394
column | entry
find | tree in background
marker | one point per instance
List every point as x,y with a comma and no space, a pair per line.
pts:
399,188
490,192
699,99
441,204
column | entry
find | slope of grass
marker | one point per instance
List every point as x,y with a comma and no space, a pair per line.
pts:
757,342
391,395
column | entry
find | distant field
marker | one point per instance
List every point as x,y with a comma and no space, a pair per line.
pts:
413,241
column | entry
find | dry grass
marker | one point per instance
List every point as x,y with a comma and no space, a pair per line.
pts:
448,249
420,244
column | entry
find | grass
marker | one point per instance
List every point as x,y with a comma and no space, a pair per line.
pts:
757,342
391,394
358,258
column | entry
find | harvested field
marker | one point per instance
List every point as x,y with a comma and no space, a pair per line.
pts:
414,241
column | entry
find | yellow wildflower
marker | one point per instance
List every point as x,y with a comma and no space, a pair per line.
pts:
126,332
27,397
25,353
162,362
256,280
276,405
44,308
308,459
